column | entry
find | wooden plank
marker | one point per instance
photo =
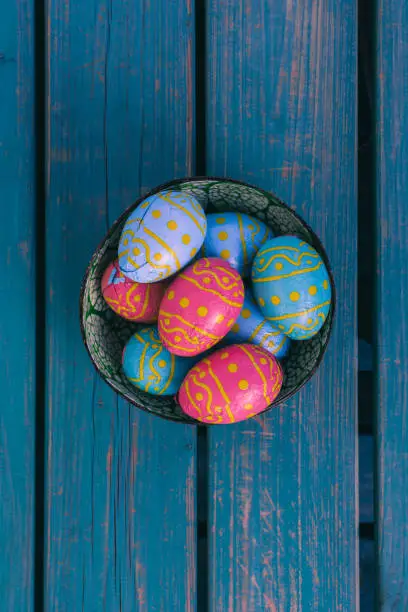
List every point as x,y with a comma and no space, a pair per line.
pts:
17,299
282,114
120,483
392,292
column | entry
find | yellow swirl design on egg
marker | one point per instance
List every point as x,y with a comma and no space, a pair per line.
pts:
293,262
184,210
299,314
259,372
163,244
191,325
208,290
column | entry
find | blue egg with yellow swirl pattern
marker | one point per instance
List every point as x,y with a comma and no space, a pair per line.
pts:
161,236
150,366
251,326
235,237
291,284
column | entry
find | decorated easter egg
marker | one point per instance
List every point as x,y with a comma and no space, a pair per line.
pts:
200,306
236,238
292,286
161,236
130,300
231,385
251,326
150,366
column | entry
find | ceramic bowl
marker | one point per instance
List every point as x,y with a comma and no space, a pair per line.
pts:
105,333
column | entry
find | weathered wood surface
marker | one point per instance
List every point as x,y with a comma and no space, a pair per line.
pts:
120,525
282,114
392,294
17,299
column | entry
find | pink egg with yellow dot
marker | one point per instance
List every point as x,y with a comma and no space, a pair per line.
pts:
200,307
231,385
131,300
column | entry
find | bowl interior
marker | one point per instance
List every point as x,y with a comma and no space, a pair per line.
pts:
105,333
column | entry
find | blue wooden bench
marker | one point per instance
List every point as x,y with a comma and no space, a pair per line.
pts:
107,509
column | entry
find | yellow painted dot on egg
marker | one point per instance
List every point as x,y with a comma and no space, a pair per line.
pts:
218,409
275,300
219,318
137,298
294,296
206,280
325,284
157,256
177,338
250,227
186,239
167,321
235,328
136,251
170,295
245,314
281,326
262,261
223,235
225,356
278,265
310,321
220,220
263,361
225,279
261,301
312,290
184,302
225,253
156,214
162,363
243,385
248,406
199,396
193,252
202,375
172,225
202,311
232,368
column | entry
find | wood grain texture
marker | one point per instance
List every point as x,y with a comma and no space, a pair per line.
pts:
392,292
17,299
120,483
282,114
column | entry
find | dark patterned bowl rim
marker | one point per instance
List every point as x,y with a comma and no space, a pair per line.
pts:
317,242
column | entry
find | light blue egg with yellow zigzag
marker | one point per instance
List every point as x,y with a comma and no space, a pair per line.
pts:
161,236
251,326
235,237
292,286
150,366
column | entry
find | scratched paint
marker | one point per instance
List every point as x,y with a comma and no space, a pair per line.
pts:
391,287
121,484
17,298
282,115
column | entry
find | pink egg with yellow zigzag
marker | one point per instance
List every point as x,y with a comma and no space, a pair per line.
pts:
200,306
130,300
231,385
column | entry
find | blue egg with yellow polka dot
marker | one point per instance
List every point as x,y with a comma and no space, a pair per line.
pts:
161,236
292,287
235,237
251,326
150,366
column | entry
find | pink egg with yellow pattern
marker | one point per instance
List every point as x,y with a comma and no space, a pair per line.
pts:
231,385
200,306
131,300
